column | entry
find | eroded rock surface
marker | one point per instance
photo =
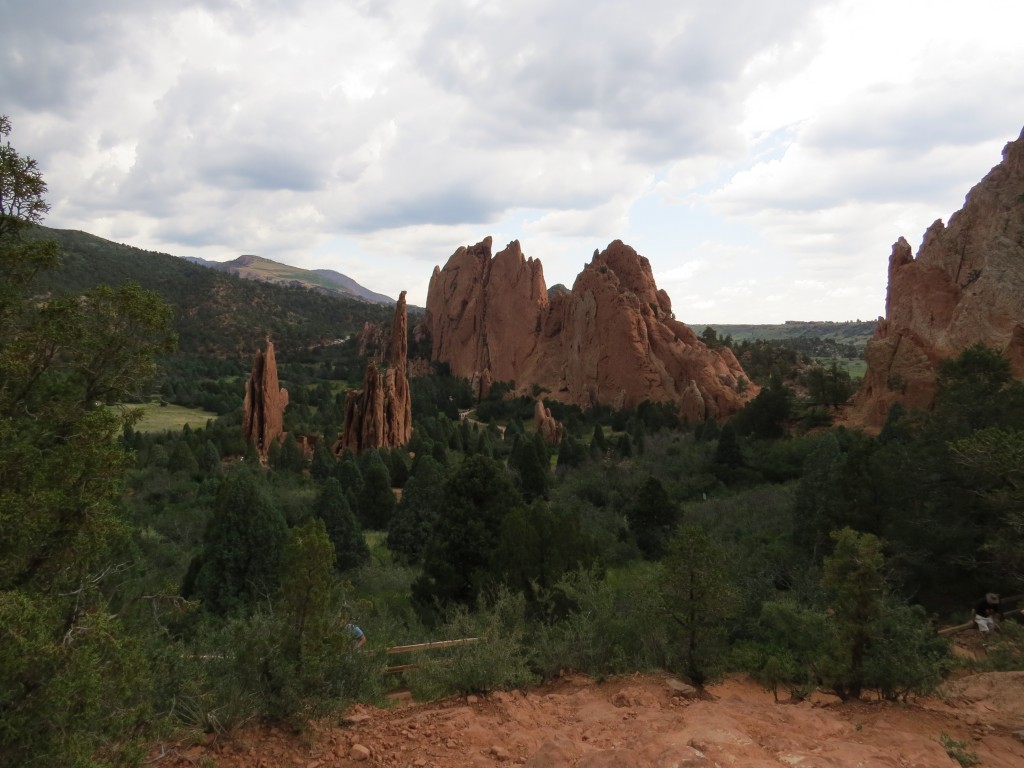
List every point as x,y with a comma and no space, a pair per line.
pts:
964,287
380,414
264,404
547,425
612,340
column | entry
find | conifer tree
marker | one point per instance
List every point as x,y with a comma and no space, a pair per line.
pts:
64,655
343,530
242,546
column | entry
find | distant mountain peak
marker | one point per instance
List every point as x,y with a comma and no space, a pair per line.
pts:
252,267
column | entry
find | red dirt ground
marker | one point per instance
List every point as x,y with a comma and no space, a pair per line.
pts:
641,721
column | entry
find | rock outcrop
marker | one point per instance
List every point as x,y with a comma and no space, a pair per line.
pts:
372,341
380,414
964,287
547,425
612,340
265,401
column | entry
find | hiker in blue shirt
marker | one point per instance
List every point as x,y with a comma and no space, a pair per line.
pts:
358,636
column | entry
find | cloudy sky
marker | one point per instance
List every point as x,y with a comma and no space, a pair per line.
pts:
763,154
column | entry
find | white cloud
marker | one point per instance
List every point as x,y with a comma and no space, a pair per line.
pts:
787,141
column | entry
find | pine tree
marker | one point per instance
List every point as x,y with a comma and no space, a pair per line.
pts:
64,654
241,547
698,599
332,507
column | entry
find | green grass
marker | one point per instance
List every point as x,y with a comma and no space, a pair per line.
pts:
159,418
856,368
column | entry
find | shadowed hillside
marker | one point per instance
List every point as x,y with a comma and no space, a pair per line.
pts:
215,313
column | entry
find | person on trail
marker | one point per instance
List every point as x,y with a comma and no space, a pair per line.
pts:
358,636
987,613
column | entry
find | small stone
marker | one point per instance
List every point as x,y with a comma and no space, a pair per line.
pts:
679,688
500,753
419,762
450,744
359,752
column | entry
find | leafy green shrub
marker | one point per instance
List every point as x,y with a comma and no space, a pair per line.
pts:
788,648
69,695
905,655
603,626
958,750
497,661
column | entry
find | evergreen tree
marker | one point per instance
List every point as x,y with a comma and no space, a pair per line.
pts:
598,443
64,654
855,581
376,501
210,462
351,479
652,516
570,453
698,600
813,507
289,458
537,546
457,562
728,453
531,473
765,416
343,530
418,510
241,547
323,464
182,459
484,444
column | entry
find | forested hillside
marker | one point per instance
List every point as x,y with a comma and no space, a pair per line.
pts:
214,313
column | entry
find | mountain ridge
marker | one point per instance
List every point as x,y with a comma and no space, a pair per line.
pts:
252,267
215,312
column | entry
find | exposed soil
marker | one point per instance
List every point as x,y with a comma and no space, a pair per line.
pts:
643,721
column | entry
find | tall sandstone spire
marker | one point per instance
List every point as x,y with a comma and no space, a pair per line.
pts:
264,404
612,340
380,414
964,287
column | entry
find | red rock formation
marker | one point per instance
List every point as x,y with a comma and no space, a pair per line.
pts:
484,313
265,401
612,340
380,414
550,428
371,341
965,286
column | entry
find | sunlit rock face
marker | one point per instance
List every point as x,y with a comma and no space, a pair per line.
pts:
264,404
964,287
612,340
380,414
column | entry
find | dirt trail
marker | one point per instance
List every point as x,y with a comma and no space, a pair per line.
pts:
642,721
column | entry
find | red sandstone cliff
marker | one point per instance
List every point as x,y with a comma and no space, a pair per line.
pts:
380,414
964,287
611,340
265,401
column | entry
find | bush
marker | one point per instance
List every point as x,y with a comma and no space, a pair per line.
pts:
788,648
905,655
497,661
603,626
